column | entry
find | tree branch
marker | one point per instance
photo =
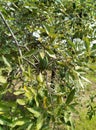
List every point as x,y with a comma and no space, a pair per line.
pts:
30,62
11,32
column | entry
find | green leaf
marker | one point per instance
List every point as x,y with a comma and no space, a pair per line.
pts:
42,55
47,29
1,128
92,66
6,105
51,54
2,79
18,92
71,43
81,1
21,101
87,44
30,53
39,123
4,121
28,93
19,122
6,62
58,1
4,108
70,97
85,79
40,78
73,109
81,83
29,126
34,112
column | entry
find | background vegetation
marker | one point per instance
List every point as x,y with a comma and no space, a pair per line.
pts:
46,50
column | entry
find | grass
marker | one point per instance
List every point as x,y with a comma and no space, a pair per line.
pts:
83,123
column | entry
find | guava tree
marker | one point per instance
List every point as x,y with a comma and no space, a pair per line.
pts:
45,51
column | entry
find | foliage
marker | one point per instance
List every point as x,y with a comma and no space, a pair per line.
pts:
45,49
91,106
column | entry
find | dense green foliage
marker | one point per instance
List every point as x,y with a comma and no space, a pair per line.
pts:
45,52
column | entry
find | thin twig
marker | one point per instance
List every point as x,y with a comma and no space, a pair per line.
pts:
11,32
24,47
48,85
30,62
35,58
